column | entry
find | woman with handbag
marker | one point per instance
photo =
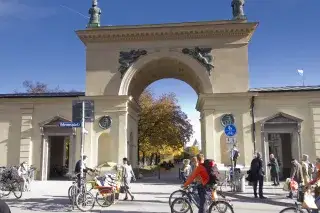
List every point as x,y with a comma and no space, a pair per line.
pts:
127,176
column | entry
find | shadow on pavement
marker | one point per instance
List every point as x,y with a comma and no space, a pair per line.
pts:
151,193
245,199
42,204
119,211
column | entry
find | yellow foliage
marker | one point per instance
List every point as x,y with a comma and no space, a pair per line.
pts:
163,127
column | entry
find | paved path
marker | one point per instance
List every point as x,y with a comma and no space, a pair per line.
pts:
151,196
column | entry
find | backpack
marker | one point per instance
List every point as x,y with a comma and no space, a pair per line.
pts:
212,170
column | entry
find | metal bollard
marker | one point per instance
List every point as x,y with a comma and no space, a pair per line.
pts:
243,184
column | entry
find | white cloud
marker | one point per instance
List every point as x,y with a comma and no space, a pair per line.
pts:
16,9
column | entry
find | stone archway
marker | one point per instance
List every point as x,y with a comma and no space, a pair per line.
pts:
161,65
157,66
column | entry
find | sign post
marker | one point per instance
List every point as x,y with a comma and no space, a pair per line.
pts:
82,140
82,111
230,131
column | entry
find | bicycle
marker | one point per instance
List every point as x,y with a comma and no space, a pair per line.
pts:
190,198
106,195
84,199
297,206
10,181
80,196
193,188
228,181
13,186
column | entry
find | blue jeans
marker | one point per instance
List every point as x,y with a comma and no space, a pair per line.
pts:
205,194
316,201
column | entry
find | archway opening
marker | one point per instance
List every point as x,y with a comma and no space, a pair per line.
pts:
164,68
163,77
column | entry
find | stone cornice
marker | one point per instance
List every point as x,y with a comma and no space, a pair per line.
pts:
180,31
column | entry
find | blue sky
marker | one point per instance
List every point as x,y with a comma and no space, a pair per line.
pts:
38,40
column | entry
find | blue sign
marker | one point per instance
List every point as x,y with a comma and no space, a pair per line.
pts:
230,130
70,124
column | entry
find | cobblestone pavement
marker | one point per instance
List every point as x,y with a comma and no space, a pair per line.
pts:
151,196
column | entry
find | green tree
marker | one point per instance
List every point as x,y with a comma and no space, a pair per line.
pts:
163,127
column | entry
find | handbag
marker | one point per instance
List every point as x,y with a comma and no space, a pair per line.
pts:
286,185
308,202
122,189
294,185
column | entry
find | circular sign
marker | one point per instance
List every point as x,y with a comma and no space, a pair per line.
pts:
230,130
105,122
227,119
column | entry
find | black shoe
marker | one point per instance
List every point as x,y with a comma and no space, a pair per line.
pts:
289,196
262,197
126,198
255,196
132,198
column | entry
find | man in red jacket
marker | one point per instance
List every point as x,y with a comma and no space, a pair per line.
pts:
204,191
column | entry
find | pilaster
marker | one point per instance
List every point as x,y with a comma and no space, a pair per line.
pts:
26,132
315,114
210,146
122,136
88,145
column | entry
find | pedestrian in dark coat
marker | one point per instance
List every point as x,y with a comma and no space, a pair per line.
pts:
274,170
256,175
4,208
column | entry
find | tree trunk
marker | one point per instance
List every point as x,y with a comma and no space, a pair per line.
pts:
143,158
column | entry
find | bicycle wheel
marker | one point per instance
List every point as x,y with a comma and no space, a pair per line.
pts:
181,205
6,192
85,201
294,210
105,200
72,191
176,194
221,207
16,188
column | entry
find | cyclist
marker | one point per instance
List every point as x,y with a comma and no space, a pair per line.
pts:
84,168
208,178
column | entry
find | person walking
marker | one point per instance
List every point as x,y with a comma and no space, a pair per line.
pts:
274,170
316,183
307,168
234,155
296,175
186,170
193,163
127,177
256,174
23,173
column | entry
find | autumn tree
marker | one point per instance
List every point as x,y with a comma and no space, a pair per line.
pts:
163,127
39,87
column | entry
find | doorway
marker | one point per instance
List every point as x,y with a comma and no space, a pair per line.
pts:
280,144
58,157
